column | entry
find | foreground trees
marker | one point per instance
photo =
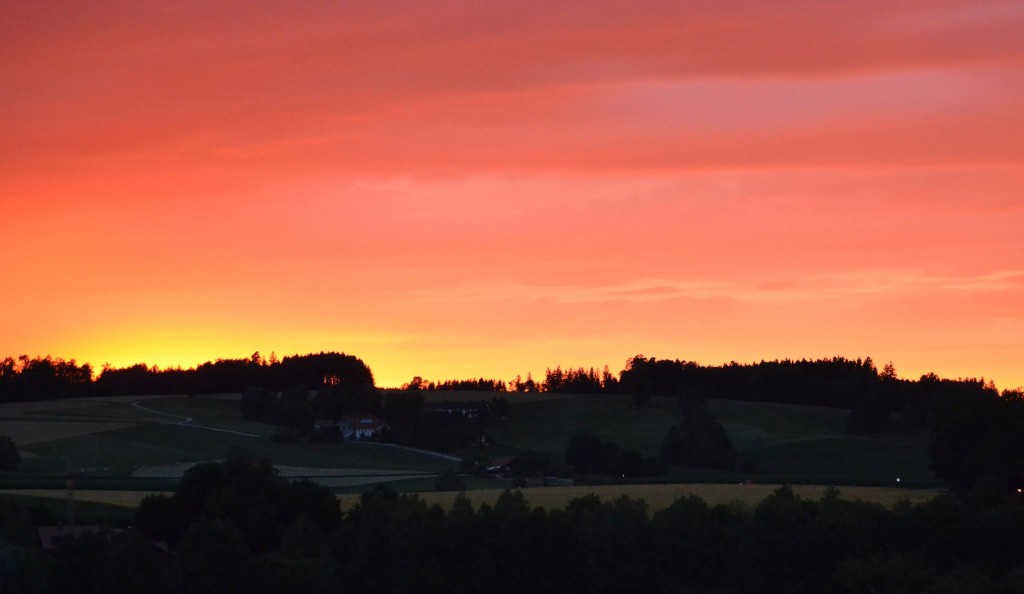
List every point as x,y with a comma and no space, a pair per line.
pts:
247,494
397,543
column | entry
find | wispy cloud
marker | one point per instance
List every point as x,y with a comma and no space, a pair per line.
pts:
794,291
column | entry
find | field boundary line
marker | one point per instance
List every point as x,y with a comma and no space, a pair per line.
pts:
418,450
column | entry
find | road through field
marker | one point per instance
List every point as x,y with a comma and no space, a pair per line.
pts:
187,421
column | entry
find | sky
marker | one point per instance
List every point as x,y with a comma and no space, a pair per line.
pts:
483,189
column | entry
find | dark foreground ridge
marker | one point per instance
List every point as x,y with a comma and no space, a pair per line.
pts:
236,526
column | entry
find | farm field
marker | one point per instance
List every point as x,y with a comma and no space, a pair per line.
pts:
128,499
546,425
659,497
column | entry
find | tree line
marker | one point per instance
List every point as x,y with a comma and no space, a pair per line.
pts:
837,382
47,378
237,526
557,380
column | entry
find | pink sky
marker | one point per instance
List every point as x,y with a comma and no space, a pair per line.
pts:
456,189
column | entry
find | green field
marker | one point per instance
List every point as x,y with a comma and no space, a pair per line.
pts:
546,425
774,442
659,497
809,444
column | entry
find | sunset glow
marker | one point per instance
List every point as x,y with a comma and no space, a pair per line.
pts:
453,189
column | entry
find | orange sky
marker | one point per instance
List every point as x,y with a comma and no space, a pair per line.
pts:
455,189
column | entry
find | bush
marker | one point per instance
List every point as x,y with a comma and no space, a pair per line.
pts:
9,456
698,441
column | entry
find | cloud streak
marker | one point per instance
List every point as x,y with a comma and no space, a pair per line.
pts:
782,292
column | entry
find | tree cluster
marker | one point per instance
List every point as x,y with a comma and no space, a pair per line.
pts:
698,441
234,375
588,454
579,381
343,385
836,382
244,493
